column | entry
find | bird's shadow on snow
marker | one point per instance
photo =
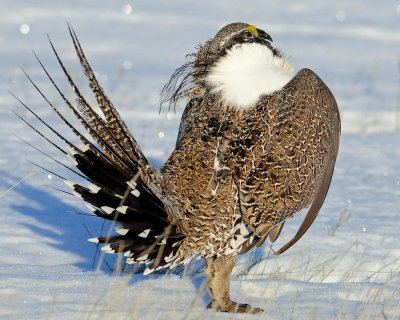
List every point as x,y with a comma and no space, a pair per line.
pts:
58,224
200,283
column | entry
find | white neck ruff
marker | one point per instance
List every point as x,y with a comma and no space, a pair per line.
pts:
247,72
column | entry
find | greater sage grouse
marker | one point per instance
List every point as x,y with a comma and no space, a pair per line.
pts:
257,143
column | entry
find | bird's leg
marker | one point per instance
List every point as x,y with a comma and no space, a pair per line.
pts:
218,272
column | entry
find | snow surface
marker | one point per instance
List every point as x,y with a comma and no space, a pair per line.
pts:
347,266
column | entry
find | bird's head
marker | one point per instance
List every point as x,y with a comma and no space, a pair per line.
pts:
232,35
238,60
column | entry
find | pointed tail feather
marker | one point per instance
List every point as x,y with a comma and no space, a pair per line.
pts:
117,126
123,186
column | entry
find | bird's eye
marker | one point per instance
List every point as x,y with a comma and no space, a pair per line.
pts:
248,34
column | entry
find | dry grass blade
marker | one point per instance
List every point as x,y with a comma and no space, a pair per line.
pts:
30,174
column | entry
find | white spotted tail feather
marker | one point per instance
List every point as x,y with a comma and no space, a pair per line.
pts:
122,184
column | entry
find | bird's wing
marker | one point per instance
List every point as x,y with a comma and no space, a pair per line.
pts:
327,98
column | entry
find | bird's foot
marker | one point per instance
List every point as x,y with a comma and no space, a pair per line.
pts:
234,307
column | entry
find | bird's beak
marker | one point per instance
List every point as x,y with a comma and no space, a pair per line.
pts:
268,37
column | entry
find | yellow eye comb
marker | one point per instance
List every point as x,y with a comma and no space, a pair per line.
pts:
252,29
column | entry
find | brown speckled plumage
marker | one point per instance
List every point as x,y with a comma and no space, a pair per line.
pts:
234,178
271,163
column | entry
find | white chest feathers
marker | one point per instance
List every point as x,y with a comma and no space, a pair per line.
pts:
247,72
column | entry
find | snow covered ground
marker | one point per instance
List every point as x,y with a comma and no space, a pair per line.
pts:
348,264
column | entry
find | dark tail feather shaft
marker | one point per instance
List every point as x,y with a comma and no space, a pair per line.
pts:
115,124
122,184
90,119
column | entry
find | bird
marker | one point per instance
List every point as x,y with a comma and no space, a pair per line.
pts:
257,143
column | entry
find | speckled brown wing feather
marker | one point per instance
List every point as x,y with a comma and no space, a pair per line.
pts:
288,149
330,103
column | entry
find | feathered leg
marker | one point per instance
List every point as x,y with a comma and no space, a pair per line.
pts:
218,272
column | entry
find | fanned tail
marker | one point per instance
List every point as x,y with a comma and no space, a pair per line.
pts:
123,186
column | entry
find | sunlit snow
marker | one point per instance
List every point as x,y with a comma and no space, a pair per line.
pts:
347,266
